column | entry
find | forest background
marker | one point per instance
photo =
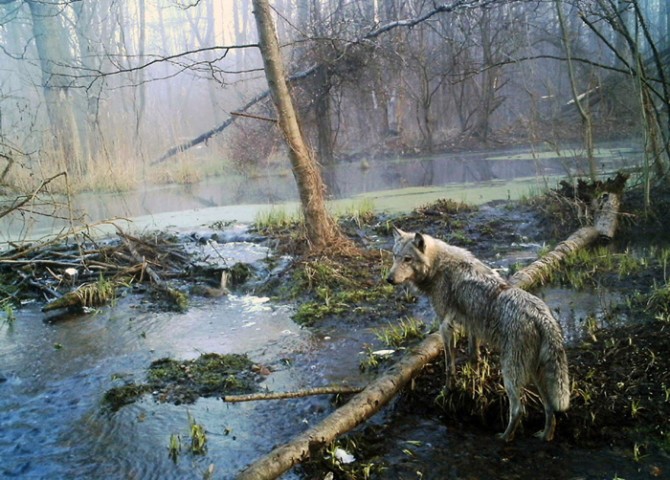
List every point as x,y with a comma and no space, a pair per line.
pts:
124,93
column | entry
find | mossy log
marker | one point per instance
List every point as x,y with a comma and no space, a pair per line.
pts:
381,391
88,295
605,224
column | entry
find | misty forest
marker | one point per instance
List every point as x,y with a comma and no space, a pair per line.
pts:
275,146
120,94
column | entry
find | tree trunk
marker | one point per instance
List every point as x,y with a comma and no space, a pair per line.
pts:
324,127
322,230
381,391
140,87
584,114
53,50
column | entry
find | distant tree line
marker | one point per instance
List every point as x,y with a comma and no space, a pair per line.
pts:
91,81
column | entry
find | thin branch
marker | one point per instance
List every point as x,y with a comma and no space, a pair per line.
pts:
332,390
255,117
32,196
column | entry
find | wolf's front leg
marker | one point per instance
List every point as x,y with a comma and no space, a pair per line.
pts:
473,348
447,332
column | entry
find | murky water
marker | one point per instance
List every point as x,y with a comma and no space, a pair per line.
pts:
241,198
56,373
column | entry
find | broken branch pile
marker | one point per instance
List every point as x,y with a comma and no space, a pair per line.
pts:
86,272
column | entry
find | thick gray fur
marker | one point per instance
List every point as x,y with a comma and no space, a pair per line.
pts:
464,291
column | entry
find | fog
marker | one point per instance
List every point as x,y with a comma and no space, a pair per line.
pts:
126,94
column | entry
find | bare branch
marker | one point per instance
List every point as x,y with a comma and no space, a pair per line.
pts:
332,390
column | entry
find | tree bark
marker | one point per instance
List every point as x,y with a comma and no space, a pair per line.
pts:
381,391
322,230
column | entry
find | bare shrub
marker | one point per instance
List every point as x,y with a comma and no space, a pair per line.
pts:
253,145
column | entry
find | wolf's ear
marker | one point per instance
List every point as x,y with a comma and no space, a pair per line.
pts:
397,233
420,242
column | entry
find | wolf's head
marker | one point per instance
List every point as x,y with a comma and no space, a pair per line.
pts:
410,260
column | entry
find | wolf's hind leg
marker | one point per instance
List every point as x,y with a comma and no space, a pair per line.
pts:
515,408
549,418
447,332
473,348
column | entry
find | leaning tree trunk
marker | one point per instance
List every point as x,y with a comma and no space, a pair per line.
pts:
322,230
381,391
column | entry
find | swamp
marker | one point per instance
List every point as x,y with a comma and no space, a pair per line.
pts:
140,372
197,207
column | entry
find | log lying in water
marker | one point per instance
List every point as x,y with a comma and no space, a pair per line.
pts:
381,391
357,410
605,224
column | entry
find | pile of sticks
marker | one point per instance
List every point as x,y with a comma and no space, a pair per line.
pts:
80,271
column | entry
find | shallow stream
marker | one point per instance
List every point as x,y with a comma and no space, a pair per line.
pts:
54,373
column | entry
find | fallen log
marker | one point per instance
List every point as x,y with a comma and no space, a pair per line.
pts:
605,223
357,410
88,295
381,391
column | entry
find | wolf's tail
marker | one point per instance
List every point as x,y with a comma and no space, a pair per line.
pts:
554,364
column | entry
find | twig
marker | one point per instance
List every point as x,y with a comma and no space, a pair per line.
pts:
330,390
255,117
30,197
140,259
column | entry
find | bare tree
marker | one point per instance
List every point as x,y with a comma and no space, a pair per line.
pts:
322,231
55,56
582,107
638,52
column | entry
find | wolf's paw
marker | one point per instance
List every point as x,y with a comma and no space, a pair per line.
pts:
504,437
546,436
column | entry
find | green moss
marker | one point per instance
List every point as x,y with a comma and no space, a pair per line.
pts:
184,381
209,374
180,299
335,302
117,397
239,273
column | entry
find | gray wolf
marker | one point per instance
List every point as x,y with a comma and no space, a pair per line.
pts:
465,292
